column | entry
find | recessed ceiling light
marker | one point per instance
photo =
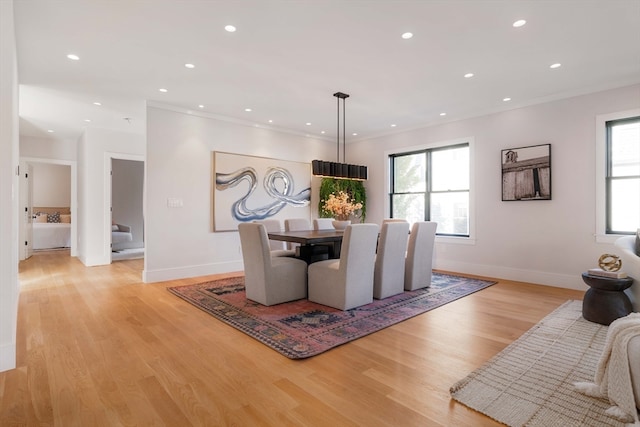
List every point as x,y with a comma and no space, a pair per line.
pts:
468,75
73,57
556,65
308,124
443,114
519,23
354,134
506,99
322,132
97,103
200,106
230,28
87,120
394,125
50,131
189,65
407,35
270,121
248,110
163,90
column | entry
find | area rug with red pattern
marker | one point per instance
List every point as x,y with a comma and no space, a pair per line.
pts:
301,329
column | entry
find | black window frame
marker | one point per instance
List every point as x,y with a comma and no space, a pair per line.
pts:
428,185
608,173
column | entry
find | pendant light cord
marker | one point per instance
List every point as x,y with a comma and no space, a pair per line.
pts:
338,131
344,131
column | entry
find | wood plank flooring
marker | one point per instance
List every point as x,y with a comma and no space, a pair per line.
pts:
97,347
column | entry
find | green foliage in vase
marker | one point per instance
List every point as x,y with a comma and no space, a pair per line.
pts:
355,189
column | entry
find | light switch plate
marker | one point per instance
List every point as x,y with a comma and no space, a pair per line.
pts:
174,202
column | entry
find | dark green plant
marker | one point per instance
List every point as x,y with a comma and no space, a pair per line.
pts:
355,190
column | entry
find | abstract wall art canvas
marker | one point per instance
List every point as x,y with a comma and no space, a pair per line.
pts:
248,188
526,173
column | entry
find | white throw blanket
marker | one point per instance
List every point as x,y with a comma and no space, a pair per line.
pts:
613,377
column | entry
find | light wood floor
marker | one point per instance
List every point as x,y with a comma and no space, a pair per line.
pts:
96,347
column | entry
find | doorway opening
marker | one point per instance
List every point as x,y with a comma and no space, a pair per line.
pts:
47,191
127,212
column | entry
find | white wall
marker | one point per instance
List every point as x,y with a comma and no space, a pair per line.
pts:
51,185
546,242
48,148
95,149
8,188
127,192
179,241
82,188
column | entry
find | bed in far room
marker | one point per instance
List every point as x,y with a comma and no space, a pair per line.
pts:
51,228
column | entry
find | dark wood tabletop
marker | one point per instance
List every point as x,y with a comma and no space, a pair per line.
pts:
310,240
309,237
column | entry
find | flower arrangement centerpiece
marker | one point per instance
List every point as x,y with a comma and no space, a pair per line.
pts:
341,206
354,189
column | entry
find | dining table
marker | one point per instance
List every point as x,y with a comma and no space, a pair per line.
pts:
308,239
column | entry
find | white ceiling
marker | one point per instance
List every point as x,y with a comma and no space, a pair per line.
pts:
287,58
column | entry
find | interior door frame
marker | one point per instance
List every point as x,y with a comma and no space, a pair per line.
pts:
26,211
74,194
108,161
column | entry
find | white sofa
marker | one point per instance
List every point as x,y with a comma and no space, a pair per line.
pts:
631,265
120,236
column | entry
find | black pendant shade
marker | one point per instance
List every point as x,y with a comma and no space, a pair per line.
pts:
337,169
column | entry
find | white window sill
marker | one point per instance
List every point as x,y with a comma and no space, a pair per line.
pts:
456,240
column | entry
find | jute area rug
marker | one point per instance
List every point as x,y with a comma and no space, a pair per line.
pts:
530,383
301,329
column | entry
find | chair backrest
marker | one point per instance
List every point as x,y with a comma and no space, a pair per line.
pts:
274,226
419,261
296,224
256,254
357,253
323,224
390,259
388,220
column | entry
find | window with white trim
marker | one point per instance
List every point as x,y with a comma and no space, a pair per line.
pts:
432,185
622,176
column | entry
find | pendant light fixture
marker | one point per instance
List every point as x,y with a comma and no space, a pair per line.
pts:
340,170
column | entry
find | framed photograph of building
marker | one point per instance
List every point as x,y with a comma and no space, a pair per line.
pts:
526,173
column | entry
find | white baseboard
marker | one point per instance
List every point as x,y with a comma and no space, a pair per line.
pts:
7,357
530,276
161,275
94,261
498,272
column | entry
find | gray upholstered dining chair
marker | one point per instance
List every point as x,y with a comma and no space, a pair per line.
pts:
269,280
388,278
323,224
419,261
277,248
296,224
347,282
393,220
